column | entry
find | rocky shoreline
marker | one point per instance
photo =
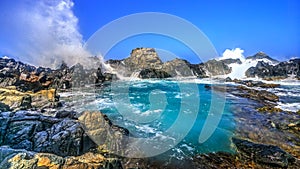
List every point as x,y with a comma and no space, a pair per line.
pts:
37,132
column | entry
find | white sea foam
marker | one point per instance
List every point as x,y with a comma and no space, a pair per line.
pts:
288,106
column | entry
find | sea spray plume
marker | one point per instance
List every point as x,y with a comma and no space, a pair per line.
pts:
47,33
242,64
236,53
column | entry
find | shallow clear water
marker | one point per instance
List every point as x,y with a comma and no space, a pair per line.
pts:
168,110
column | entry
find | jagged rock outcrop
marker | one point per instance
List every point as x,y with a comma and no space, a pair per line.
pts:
76,76
35,132
279,71
143,58
22,159
29,78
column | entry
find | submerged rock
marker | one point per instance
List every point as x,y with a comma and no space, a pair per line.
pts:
269,109
265,154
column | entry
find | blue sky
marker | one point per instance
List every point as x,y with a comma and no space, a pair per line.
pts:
257,25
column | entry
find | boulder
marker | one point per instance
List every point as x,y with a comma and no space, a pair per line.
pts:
106,135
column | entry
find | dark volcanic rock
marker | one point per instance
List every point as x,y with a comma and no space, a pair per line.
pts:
251,83
35,132
153,73
76,76
262,96
265,154
63,134
29,78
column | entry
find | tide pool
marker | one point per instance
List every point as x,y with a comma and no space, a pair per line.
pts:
170,114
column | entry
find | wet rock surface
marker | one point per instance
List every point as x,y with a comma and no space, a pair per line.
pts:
262,96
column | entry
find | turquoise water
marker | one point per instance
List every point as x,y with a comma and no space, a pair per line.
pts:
169,110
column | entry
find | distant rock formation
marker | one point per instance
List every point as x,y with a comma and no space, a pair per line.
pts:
262,55
282,70
145,63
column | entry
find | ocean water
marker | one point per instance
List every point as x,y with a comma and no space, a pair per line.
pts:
172,114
